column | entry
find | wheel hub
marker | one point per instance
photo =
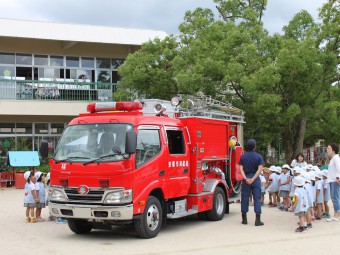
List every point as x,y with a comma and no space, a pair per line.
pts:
152,217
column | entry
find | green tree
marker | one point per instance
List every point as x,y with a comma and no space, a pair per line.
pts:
280,81
149,72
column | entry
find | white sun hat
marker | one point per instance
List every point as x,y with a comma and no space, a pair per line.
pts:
325,173
38,174
273,168
278,169
27,174
318,174
286,166
312,176
297,170
305,176
316,168
298,181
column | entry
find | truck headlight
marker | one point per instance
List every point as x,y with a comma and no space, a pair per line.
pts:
57,195
119,197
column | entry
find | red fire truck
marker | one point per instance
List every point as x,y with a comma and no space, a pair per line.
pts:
121,164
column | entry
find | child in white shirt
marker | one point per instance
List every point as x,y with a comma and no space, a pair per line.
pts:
319,199
272,185
30,198
263,187
326,194
40,189
300,205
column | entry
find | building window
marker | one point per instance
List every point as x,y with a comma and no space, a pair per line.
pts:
104,76
117,63
24,73
71,74
87,62
103,63
7,128
56,61
115,77
23,128
41,128
40,60
7,71
7,58
23,59
57,128
72,61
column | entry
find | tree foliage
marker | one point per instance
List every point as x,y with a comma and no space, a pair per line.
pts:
281,81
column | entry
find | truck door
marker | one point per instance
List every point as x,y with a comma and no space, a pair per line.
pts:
177,175
150,165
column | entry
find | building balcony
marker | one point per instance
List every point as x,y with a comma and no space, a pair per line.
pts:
58,90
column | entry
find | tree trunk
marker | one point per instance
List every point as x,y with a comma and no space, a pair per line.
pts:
287,141
300,135
293,140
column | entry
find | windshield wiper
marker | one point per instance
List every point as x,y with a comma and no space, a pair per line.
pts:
69,159
103,157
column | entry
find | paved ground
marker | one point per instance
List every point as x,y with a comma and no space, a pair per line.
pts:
184,236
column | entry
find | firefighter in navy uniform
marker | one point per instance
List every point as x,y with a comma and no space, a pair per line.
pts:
251,164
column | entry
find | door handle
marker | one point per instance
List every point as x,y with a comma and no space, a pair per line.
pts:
161,173
186,171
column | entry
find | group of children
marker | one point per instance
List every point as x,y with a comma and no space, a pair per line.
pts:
35,198
304,191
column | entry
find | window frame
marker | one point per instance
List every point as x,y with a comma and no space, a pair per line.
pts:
166,129
141,128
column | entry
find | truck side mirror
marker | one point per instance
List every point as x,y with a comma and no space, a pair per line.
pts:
43,149
130,142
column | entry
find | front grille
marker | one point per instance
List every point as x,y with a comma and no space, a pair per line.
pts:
94,195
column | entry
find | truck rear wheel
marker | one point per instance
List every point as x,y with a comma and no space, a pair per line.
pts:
219,205
79,227
149,225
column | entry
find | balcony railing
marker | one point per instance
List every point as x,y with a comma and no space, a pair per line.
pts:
61,90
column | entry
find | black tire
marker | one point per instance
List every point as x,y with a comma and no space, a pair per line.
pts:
219,205
150,222
202,216
79,227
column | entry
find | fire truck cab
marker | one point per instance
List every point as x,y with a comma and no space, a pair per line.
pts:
128,163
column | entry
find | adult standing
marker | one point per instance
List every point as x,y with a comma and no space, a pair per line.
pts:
299,161
251,164
334,179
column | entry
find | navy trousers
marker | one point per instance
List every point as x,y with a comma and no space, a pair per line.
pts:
255,189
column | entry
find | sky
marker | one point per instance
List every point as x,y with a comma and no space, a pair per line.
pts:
164,15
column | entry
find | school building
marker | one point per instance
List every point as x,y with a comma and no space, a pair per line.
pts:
49,72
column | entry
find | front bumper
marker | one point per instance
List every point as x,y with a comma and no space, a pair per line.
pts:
94,212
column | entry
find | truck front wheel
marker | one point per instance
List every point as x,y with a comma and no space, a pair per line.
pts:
79,226
219,205
150,222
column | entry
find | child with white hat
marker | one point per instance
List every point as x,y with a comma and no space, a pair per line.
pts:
319,199
263,187
40,189
313,191
309,192
300,205
273,186
284,186
326,193
30,198
296,172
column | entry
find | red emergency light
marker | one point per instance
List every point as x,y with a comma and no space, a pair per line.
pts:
114,106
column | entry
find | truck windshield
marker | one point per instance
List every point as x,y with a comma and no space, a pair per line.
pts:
93,142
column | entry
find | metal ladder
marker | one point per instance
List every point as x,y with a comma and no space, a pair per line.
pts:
206,106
